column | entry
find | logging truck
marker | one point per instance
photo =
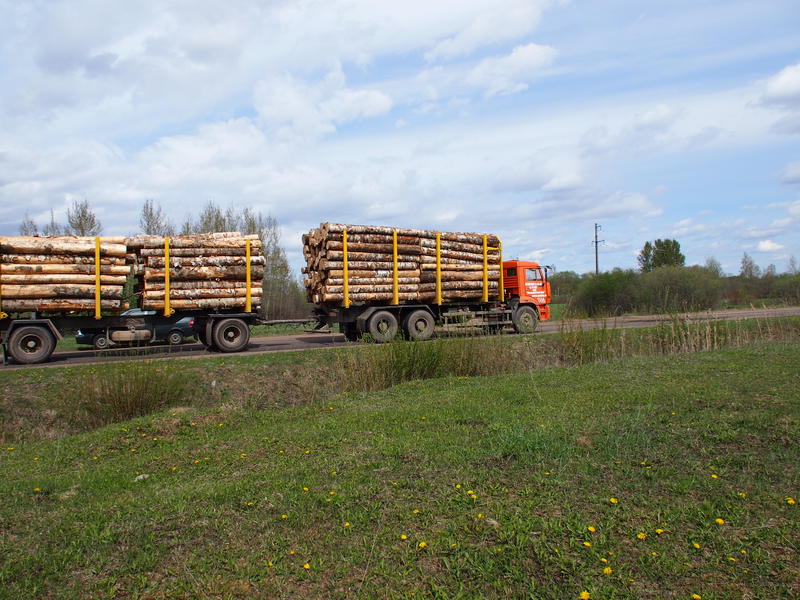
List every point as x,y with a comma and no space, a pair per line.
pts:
524,300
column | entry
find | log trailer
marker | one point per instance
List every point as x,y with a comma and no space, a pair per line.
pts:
523,300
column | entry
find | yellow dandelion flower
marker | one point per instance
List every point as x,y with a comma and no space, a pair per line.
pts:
458,486
741,494
714,476
696,597
283,516
556,550
480,515
603,560
243,455
173,468
641,535
292,552
587,544
403,536
422,544
306,566
250,503
790,500
696,546
608,571
613,500
470,492
415,511
584,595
305,489
332,493
37,490
732,559
269,563
453,545
591,528
743,551
654,553
659,531
346,524
719,521
547,472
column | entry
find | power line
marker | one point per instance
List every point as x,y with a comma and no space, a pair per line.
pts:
597,243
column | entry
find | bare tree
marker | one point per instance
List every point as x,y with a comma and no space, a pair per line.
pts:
53,228
749,268
81,220
153,221
28,226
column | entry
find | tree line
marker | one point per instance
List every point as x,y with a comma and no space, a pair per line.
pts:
663,283
284,296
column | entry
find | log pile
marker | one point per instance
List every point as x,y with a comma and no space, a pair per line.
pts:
59,273
206,271
370,265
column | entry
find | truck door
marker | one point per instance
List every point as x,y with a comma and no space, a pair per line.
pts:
536,286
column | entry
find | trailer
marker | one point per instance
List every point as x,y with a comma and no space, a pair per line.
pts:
33,339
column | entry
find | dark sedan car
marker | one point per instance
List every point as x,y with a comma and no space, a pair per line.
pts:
172,333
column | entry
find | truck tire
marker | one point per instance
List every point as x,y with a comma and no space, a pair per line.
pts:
100,342
231,335
419,325
175,338
382,326
525,319
31,344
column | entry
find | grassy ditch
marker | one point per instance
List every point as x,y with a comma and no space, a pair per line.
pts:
649,477
50,403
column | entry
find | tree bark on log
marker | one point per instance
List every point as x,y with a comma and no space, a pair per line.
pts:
222,273
73,304
220,292
204,261
63,269
60,278
40,245
51,259
60,291
199,304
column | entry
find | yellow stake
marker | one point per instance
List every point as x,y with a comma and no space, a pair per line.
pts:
438,268
396,294
346,274
485,271
2,314
167,309
97,314
248,305
502,286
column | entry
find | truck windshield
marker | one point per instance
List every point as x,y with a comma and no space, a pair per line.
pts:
533,275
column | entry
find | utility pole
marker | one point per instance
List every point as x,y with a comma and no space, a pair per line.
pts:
596,245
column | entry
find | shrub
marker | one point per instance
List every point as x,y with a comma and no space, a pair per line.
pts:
671,289
611,293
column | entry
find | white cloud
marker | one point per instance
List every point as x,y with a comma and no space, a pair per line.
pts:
784,88
513,72
490,25
768,246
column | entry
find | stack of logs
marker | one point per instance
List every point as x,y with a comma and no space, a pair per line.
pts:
59,274
207,271
371,264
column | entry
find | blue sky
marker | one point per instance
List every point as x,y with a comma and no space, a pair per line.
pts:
532,119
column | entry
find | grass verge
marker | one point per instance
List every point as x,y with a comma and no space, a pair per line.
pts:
640,478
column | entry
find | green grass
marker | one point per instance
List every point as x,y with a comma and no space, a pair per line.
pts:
542,454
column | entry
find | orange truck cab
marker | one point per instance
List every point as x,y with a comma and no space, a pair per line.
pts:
526,283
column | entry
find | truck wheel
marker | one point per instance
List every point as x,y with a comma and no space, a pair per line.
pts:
174,338
31,344
382,326
100,342
525,319
231,335
419,325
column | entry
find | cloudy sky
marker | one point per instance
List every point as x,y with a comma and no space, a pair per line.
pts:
532,119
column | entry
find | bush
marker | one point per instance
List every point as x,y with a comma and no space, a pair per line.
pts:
608,294
672,289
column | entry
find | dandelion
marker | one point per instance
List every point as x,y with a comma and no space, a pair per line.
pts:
659,531
173,468
306,566
283,516
403,536
613,500
250,503
480,515
584,595
547,472
35,458
591,528
641,535
696,597
741,494
719,521
608,571
654,553
37,490
587,544
470,492
346,524
603,560
415,511
305,489
243,455
422,544
743,551
695,545
458,486
269,563
714,476
790,500
332,493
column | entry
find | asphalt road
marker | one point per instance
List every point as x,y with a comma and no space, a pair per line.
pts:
313,341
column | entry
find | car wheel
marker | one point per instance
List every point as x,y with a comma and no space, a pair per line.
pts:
174,338
100,342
